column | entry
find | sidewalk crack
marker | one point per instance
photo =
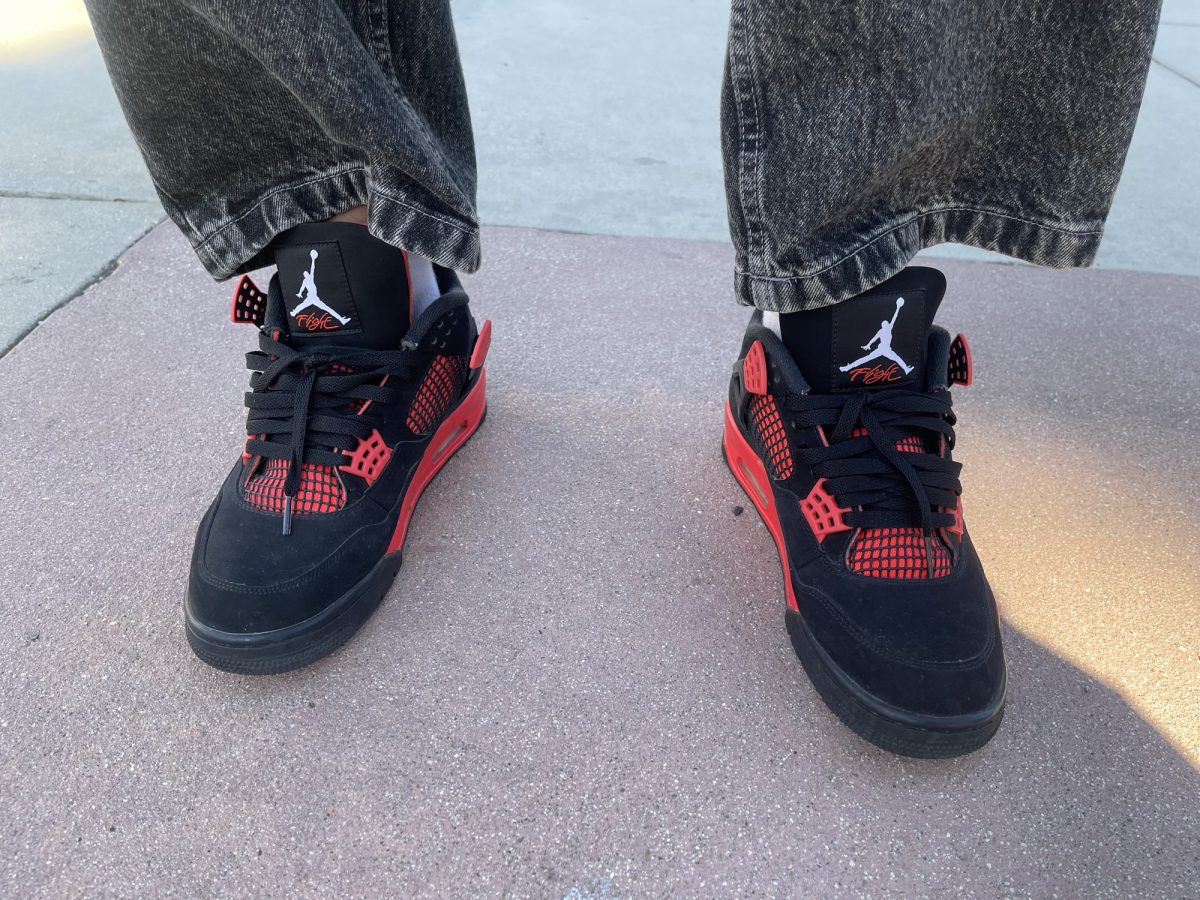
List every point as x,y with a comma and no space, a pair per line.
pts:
62,195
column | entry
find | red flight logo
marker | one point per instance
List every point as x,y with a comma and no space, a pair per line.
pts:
315,322
876,374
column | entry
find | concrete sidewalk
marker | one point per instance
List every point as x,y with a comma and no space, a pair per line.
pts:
580,684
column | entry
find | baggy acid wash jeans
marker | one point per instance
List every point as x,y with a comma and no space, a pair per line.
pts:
855,132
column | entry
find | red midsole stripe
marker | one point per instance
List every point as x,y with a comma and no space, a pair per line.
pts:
751,474
451,434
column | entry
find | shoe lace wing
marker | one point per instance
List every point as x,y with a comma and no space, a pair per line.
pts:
885,457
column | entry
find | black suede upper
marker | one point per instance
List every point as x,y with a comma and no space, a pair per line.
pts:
248,577
930,646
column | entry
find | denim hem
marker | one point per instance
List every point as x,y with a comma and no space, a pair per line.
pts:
884,255
239,245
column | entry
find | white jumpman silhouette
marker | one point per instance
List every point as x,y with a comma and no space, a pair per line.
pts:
309,287
884,338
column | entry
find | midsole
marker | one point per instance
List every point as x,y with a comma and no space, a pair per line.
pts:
897,714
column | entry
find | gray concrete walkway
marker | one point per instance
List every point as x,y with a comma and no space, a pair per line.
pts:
580,684
73,191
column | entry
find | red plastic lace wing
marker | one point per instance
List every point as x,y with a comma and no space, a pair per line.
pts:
958,369
249,304
368,460
824,515
754,369
957,528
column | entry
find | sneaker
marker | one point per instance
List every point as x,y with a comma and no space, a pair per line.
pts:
352,411
844,445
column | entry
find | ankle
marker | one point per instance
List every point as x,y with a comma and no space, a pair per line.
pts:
356,216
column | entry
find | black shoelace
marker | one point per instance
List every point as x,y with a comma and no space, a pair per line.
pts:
302,412
882,486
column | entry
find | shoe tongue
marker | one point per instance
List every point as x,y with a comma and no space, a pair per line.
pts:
341,287
874,341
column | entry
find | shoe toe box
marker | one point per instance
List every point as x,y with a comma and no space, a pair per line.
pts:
247,577
917,648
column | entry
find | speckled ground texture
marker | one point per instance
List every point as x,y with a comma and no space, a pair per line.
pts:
580,684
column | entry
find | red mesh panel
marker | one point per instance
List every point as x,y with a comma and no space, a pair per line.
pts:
898,552
772,437
320,489
340,369
369,459
910,444
437,393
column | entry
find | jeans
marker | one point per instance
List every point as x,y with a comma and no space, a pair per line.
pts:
855,132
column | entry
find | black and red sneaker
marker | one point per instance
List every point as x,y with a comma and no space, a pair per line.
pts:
352,411
840,430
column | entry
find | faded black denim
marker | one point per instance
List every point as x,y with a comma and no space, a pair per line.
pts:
258,115
856,132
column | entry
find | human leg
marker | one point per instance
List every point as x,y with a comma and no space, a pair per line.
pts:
856,134
260,123
257,117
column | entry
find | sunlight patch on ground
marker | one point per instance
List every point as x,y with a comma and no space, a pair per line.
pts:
36,27
1097,562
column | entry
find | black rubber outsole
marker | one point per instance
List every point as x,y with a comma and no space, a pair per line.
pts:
890,728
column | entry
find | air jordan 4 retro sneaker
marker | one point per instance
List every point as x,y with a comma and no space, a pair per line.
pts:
354,406
840,428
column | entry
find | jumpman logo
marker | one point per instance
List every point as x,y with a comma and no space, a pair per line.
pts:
308,291
882,342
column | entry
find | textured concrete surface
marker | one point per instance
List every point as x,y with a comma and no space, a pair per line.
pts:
598,118
52,249
72,138
1155,214
73,191
1181,12
1176,50
580,684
